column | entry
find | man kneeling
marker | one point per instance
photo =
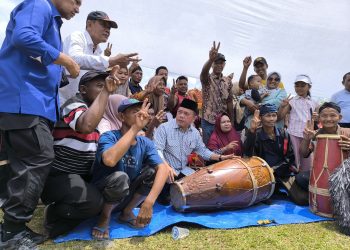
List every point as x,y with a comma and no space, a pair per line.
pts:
127,169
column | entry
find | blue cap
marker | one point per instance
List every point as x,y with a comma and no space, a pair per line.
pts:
267,108
127,103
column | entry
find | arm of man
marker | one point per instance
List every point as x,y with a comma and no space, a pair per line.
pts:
242,79
204,76
145,215
89,120
75,48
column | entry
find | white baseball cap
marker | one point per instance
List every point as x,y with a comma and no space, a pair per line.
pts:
303,78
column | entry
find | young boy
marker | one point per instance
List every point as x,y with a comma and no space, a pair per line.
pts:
124,170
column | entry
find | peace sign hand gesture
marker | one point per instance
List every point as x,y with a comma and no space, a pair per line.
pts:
214,52
309,132
255,122
142,117
286,101
112,82
247,61
173,88
108,50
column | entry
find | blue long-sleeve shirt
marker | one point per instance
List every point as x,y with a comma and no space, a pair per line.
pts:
29,80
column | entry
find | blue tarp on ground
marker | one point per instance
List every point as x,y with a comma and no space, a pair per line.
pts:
280,211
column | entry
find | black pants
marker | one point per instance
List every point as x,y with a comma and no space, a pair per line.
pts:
27,145
117,189
72,200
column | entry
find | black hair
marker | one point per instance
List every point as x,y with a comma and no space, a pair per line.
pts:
251,78
345,76
135,69
181,78
159,68
331,105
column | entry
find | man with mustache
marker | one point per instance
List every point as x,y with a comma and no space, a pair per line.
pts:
84,48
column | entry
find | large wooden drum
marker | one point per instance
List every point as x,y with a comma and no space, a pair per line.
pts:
229,184
327,157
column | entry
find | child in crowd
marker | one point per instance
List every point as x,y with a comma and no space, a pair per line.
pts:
301,108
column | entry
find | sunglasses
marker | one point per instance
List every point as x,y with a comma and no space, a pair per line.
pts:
277,79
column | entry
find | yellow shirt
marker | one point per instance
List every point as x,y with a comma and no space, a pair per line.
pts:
281,85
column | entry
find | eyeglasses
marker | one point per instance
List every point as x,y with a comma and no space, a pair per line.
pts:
277,79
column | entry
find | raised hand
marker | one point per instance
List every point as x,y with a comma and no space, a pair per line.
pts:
309,132
286,101
214,51
108,50
255,122
344,143
112,82
230,76
142,117
247,61
173,88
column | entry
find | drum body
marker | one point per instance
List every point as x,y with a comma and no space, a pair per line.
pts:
327,157
234,183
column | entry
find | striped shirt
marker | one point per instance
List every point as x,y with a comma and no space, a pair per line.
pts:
74,151
300,114
175,145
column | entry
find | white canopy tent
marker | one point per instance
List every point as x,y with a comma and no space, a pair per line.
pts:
295,36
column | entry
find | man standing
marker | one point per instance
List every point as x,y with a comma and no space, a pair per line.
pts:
84,48
216,90
342,99
30,74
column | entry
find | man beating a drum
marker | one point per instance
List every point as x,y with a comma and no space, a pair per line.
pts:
274,146
329,117
178,138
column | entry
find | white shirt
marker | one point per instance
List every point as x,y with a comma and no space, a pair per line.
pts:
79,46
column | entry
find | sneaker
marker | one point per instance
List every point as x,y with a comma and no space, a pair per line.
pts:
21,241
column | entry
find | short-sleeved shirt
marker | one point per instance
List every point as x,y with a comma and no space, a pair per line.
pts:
300,114
142,154
74,151
217,92
342,99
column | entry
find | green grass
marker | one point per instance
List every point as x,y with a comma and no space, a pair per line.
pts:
322,235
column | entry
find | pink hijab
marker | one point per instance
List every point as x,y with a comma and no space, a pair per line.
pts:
219,139
112,111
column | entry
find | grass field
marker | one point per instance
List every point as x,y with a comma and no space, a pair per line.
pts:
322,235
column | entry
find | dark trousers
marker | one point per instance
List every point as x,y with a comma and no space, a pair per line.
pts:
117,189
26,151
72,200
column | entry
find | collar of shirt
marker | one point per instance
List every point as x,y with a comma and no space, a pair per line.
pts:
90,43
300,97
176,126
265,137
216,77
55,13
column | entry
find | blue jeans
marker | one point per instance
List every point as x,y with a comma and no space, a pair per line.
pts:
207,129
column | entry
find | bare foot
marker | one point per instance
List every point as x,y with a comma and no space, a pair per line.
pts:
129,219
101,230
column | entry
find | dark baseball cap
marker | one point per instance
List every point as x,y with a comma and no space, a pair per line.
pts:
92,74
220,57
127,103
259,59
100,15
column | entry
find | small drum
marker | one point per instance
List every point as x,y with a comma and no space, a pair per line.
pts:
234,183
327,157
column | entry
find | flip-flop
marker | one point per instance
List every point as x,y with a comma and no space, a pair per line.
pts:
101,230
130,223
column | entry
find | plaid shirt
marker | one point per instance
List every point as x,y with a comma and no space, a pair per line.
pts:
217,92
175,145
300,114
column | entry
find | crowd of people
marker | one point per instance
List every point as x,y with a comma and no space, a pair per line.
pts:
79,131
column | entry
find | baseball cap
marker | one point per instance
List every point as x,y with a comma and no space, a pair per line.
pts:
220,57
259,59
303,78
100,15
127,103
88,76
